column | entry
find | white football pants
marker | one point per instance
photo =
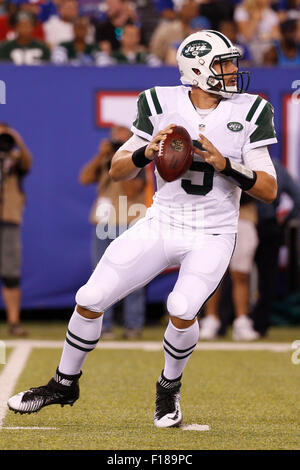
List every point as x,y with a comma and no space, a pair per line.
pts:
144,251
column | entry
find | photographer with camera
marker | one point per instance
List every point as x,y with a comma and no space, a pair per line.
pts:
15,162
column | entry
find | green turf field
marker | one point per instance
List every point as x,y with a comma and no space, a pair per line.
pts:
249,399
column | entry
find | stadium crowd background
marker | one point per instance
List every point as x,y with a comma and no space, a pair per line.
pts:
99,32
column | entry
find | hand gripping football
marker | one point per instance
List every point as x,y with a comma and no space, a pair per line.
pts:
175,154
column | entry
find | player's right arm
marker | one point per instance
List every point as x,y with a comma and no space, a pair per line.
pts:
122,166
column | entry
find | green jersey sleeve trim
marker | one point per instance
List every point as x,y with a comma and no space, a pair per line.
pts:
261,143
156,103
142,121
253,108
265,125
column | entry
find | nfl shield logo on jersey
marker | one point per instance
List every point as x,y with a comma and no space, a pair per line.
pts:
201,127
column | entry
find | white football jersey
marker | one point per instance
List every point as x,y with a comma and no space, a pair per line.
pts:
203,199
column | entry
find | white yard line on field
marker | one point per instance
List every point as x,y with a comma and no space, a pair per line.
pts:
194,427
11,373
157,345
14,428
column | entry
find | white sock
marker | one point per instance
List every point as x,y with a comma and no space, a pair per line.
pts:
179,345
82,337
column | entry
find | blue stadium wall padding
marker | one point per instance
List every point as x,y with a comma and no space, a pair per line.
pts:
54,110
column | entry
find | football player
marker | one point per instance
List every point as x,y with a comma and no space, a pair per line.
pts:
192,222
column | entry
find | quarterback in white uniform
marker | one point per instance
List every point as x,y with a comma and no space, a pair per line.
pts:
192,222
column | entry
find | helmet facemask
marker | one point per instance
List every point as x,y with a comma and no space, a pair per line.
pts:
217,81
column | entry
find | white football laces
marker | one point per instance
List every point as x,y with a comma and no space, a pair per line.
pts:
161,148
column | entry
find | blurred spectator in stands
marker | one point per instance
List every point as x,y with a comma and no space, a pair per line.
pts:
229,28
34,8
169,33
109,211
286,51
258,25
196,24
216,11
15,162
78,51
96,10
24,50
47,9
8,21
150,13
4,20
109,32
240,269
131,50
288,10
3,8
59,28
166,9
271,234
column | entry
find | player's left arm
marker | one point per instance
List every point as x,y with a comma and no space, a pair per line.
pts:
260,183
265,188
260,134
258,160
257,176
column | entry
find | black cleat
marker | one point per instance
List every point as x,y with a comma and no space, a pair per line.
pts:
61,390
167,407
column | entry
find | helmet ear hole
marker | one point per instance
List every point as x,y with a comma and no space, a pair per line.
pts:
196,71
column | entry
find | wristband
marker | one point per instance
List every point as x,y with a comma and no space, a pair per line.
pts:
139,158
242,176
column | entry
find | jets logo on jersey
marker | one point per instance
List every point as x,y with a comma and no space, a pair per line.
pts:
235,126
196,48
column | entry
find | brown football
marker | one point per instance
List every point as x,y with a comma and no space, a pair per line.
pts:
175,154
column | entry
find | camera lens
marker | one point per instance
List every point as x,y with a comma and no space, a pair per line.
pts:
7,142
116,144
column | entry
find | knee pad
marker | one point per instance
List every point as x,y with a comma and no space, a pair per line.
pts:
178,306
101,290
11,282
88,295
